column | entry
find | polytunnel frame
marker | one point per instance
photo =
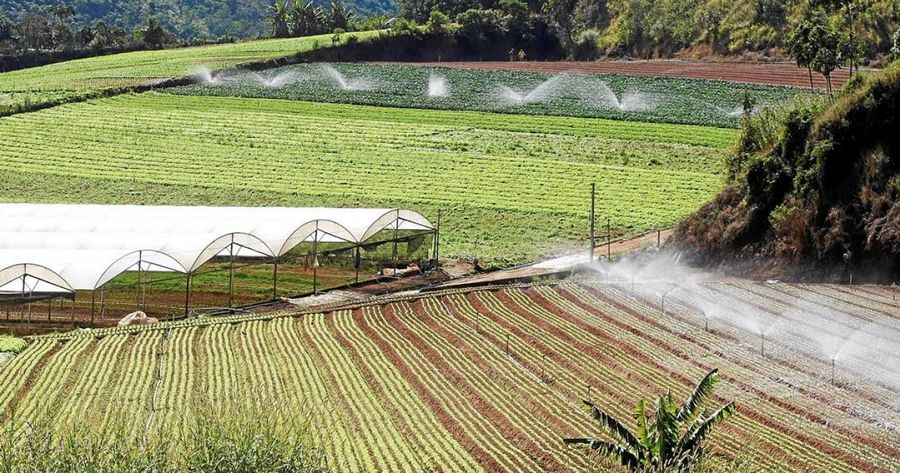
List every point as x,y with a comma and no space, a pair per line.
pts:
23,274
60,282
393,217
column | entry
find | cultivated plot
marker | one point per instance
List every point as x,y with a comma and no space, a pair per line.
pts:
621,97
73,80
484,379
512,187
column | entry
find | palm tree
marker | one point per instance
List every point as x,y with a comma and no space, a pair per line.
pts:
307,18
670,441
279,19
339,16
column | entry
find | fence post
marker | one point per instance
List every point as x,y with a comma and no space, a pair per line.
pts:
356,262
275,279
315,261
437,237
187,293
231,273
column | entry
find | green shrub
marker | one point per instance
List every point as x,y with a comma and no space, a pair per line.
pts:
10,344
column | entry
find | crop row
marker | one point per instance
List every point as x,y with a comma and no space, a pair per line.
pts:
760,383
468,380
620,97
475,171
64,81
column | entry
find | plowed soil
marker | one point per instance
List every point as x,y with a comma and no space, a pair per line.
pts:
782,73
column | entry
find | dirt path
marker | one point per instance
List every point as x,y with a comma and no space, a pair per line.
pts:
781,73
565,264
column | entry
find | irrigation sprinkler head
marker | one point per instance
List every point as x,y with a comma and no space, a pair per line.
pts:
762,348
832,371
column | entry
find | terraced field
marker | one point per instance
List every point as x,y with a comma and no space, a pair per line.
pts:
511,187
483,379
67,81
620,97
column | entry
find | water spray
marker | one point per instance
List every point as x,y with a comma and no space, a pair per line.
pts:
662,305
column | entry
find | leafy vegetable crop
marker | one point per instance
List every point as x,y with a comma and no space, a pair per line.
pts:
73,80
472,380
622,97
511,187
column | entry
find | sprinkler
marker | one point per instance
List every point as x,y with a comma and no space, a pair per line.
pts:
763,345
832,371
705,321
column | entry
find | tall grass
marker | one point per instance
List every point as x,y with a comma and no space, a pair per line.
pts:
220,439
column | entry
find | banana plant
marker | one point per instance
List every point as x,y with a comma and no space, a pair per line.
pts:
669,440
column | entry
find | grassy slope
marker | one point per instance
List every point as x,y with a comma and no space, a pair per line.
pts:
511,187
652,99
70,80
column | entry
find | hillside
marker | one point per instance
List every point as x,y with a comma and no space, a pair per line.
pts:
39,87
815,187
507,193
477,380
187,18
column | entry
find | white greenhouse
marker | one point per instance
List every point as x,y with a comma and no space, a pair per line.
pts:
54,250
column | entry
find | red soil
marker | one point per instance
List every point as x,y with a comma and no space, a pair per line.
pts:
753,73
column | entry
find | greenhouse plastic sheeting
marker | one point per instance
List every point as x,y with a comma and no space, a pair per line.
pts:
81,247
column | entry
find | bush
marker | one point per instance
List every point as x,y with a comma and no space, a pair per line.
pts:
895,49
586,45
437,22
10,344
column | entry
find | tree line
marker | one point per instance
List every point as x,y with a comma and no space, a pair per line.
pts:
53,30
852,31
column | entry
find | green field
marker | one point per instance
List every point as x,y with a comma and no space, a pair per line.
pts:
620,97
511,187
72,80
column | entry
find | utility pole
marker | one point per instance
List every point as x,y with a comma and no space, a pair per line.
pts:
593,241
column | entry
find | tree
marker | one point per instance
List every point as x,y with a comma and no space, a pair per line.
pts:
62,36
849,7
154,35
338,16
437,22
560,15
7,28
827,55
306,18
280,19
671,440
34,31
481,26
802,46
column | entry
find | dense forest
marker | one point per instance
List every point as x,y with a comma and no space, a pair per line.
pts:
814,186
187,19
587,29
